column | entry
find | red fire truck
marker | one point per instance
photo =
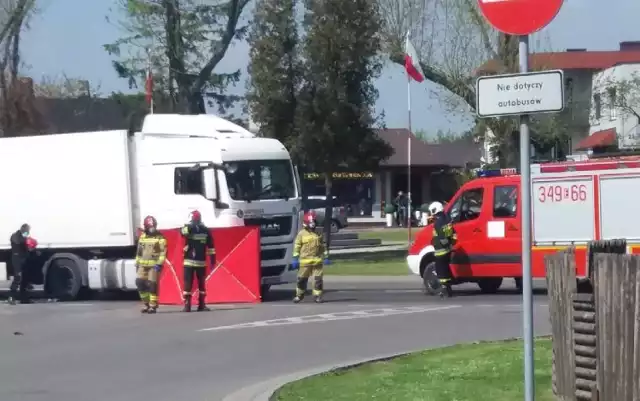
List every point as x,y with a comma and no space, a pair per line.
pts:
572,204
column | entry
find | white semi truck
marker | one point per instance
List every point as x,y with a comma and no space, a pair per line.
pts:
85,195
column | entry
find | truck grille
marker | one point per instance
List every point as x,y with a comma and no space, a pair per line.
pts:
270,271
272,254
271,226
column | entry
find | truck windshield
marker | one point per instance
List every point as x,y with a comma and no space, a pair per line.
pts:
251,180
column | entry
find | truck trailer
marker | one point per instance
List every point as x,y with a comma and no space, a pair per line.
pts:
85,195
573,203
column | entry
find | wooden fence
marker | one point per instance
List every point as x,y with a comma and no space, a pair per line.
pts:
596,334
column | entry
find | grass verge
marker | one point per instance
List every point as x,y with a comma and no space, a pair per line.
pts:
471,372
389,234
368,266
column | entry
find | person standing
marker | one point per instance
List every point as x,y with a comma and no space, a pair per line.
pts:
21,245
401,208
309,256
150,257
444,238
199,245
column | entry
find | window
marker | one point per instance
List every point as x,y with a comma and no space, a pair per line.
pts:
468,206
260,179
187,181
597,106
568,91
612,104
311,204
505,201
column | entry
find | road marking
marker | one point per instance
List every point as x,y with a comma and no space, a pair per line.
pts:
335,316
542,305
401,291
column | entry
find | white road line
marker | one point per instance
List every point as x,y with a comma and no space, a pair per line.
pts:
401,291
508,305
328,317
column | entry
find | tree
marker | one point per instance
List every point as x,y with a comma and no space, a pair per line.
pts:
444,137
274,69
336,117
315,93
621,95
64,87
18,114
453,40
184,41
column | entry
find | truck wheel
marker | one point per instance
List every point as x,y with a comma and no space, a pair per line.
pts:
431,285
264,290
490,285
63,281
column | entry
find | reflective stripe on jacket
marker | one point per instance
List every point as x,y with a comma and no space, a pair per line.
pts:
309,247
152,250
444,235
199,244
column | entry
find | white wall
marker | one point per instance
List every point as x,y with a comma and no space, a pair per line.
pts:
626,124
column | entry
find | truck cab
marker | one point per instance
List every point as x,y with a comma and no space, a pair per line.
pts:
229,174
486,217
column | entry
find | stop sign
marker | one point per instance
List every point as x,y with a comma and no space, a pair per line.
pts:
519,17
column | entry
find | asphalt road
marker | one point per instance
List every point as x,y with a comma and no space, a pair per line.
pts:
108,351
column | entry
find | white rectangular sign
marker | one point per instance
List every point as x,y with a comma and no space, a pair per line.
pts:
529,93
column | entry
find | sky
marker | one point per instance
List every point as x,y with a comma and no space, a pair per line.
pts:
66,37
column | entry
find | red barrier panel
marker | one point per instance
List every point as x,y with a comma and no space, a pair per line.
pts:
236,277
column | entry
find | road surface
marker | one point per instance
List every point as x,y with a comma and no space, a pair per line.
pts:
108,351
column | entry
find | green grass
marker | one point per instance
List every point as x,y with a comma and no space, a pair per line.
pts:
389,234
368,266
473,372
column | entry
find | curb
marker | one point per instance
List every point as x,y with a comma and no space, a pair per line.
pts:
266,390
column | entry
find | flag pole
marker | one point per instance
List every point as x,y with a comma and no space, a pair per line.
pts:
409,160
148,85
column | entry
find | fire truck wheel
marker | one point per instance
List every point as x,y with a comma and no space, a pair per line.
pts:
518,281
431,285
490,285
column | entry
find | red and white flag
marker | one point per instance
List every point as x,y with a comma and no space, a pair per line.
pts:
411,62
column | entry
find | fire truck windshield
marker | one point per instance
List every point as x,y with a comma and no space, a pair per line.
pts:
467,206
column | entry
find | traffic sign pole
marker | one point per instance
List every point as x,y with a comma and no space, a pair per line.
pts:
523,17
527,282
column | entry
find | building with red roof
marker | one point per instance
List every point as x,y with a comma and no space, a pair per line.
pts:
593,122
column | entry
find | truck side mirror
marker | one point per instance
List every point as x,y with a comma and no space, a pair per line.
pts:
210,183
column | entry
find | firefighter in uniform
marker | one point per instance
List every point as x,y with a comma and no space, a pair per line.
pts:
444,238
21,245
309,255
199,244
150,256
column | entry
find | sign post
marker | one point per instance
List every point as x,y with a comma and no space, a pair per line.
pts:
523,17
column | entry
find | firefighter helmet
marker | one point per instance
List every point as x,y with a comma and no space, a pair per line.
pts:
150,222
195,216
309,220
435,208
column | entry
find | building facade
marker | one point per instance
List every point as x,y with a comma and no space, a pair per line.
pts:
614,121
365,193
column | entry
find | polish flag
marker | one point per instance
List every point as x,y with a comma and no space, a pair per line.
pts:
411,62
